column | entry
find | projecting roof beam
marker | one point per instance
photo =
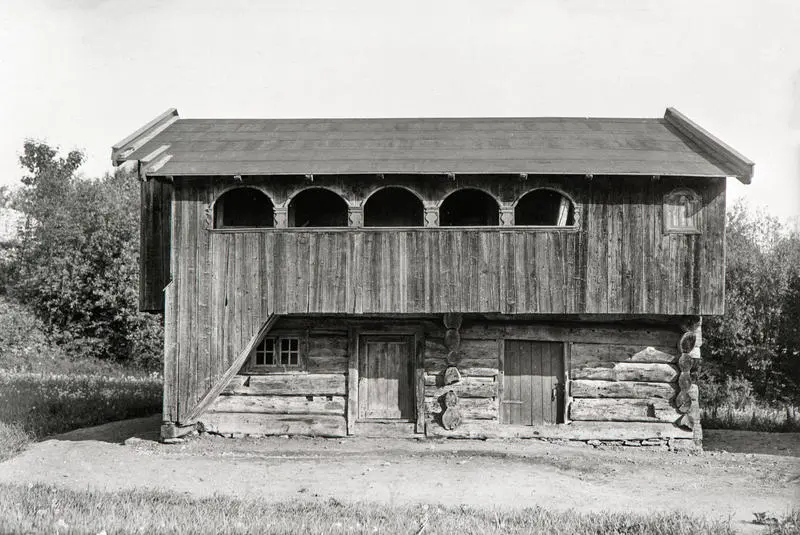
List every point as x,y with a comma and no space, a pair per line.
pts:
121,150
740,166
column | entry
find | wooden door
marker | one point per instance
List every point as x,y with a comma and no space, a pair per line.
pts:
384,378
533,383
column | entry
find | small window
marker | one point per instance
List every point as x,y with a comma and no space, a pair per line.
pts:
469,207
317,207
544,207
277,353
243,207
682,211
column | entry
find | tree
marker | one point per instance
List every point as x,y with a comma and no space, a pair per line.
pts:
77,266
754,339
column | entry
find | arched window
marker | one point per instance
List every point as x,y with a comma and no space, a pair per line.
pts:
469,207
544,207
243,207
393,207
682,211
317,207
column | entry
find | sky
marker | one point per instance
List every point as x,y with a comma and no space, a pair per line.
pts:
86,73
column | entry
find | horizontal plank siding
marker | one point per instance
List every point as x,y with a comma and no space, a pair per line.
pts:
287,385
275,424
280,404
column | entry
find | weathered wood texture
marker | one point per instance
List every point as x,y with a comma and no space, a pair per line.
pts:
156,202
287,385
623,410
225,284
275,424
618,261
385,389
622,389
280,404
533,379
573,431
627,371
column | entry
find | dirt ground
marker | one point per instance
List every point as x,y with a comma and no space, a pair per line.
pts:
738,474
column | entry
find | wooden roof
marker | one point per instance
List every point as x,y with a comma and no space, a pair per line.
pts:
668,146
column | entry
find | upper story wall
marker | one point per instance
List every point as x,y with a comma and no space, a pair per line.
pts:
617,258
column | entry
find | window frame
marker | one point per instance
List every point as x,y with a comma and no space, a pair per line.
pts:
278,338
697,217
577,211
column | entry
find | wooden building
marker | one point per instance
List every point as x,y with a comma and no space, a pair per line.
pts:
494,277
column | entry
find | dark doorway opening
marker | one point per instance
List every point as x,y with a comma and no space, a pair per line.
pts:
469,207
393,207
317,207
243,207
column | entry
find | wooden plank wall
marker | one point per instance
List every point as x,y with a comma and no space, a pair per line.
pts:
620,262
154,228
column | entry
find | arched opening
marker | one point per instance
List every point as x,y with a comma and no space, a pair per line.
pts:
544,207
243,207
317,207
469,207
393,207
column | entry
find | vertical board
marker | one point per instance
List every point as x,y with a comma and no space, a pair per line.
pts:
385,389
154,243
532,372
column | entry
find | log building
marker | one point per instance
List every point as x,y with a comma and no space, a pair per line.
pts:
494,277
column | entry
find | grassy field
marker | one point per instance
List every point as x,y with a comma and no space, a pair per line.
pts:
33,406
752,417
42,508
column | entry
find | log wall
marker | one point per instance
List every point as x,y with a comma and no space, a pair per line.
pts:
311,402
618,261
616,372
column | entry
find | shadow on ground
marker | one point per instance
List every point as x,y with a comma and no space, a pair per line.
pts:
147,428
786,444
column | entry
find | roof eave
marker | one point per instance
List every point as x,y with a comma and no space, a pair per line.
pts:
122,149
740,166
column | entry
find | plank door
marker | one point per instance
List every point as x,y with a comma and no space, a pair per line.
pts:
385,378
533,383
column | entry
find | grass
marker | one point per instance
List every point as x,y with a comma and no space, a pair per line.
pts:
41,508
34,406
752,417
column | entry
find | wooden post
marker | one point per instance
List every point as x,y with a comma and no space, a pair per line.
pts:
352,380
419,379
431,214
506,215
280,216
355,216
688,398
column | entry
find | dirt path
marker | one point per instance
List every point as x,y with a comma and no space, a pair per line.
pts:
725,481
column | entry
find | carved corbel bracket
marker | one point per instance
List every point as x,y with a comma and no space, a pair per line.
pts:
431,214
355,215
506,215
280,216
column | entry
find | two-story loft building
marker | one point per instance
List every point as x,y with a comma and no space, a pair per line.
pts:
449,277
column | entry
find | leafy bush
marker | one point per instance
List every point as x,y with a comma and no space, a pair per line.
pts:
77,264
759,335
